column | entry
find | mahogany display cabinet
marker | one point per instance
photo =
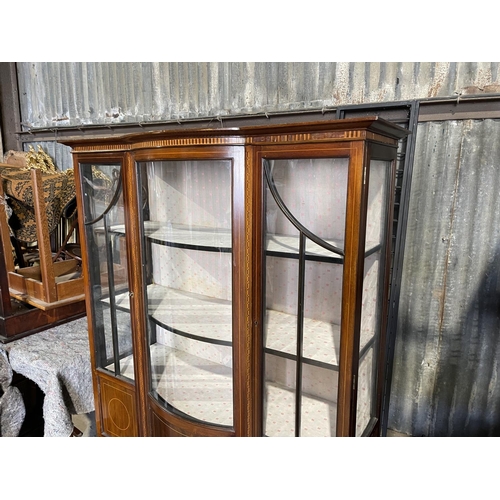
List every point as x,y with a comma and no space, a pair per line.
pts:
237,280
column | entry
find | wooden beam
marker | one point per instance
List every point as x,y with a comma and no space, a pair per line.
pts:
42,230
5,233
10,113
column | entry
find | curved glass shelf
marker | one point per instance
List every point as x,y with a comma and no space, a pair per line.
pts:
219,240
322,413
321,341
207,319
196,316
200,389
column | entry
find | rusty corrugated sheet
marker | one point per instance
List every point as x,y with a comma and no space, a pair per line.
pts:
55,94
446,379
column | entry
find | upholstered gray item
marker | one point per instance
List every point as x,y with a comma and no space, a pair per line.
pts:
58,361
5,369
12,412
12,409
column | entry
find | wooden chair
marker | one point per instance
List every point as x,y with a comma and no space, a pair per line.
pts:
51,284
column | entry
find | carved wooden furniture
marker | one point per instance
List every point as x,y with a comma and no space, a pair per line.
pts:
238,279
35,297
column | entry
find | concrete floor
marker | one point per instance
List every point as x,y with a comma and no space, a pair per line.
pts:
391,433
85,423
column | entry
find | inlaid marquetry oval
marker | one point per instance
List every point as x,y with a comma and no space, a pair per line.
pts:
117,408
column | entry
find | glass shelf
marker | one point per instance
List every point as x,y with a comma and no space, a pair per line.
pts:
208,319
194,386
319,416
197,316
321,339
321,343
219,240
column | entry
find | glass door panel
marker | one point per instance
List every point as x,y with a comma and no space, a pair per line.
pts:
188,267
373,289
304,238
105,233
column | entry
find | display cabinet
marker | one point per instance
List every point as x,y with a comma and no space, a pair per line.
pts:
237,279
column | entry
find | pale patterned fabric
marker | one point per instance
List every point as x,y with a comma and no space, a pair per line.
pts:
58,361
12,409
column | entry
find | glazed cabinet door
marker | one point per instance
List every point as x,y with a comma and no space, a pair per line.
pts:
304,228
324,240
106,263
188,242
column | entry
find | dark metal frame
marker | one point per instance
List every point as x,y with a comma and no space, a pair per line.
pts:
403,200
405,114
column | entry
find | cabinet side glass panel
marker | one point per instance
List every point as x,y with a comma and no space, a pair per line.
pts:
373,289
107,256
186,213
304,238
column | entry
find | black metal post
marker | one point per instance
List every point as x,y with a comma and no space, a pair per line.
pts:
300,333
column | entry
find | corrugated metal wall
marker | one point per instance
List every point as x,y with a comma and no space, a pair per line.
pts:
445,379
79,93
